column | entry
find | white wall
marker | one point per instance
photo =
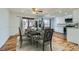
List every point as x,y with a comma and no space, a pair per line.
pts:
14,23
4,26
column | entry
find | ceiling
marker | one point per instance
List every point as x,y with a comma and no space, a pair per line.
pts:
46,11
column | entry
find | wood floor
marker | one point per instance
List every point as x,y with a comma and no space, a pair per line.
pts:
10,45
59,42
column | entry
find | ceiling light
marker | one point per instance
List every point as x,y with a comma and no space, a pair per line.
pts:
33,12
36,11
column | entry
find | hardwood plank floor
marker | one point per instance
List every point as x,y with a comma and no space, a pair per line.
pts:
60,41
10,45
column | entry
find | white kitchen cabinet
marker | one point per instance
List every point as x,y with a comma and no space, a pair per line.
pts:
73,35
57,24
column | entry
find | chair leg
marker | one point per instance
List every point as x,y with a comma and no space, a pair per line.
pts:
43,46
51,45
37,44
20,43
31,41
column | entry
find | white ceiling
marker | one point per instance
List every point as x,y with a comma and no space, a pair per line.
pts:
46,11
21,10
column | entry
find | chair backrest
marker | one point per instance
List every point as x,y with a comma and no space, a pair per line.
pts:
20,33
48,33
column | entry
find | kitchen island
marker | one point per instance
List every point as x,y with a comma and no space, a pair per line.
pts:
73,35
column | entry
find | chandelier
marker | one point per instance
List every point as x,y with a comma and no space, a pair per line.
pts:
36,11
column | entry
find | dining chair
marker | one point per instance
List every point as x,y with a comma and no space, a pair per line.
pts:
22,37
20,34
48,33
35,38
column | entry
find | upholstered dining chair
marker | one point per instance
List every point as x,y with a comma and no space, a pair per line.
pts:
22,37
48,33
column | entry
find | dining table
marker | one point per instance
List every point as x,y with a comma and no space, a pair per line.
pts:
35,35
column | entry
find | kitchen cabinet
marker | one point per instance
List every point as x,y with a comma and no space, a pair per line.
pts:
73,35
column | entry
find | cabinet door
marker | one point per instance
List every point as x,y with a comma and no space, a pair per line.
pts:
57,22
73,35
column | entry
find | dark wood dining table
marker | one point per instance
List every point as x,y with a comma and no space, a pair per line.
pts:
35,35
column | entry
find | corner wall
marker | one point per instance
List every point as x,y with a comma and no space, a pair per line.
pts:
4,26
14,23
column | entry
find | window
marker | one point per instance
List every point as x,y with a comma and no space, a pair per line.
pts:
46,23
31,23
28,22
25,23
